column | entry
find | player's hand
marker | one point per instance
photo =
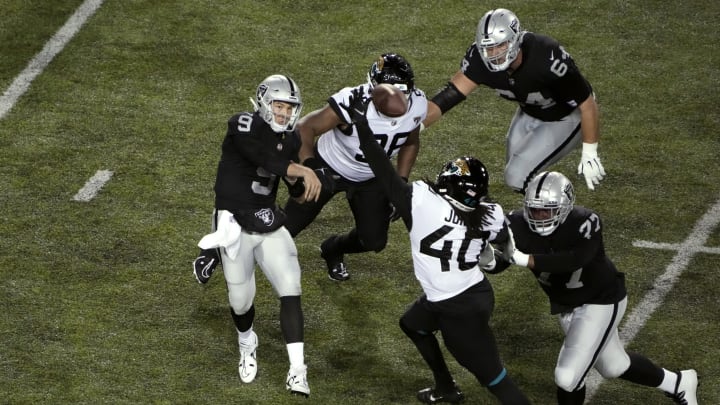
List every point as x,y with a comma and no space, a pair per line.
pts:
357,106
394,213
327,178
312,183
590,165
521,259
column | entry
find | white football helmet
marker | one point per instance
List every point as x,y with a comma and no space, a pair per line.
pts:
549,198
278,88
498,39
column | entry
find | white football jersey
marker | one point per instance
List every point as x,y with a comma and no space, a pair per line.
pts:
342,152
444,257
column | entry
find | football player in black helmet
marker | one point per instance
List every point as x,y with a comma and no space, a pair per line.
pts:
451,225
562,244
556,105
330,144
463,182
392,68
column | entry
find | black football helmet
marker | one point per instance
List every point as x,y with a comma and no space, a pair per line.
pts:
393,69
463,182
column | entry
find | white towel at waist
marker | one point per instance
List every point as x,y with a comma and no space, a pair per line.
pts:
227,235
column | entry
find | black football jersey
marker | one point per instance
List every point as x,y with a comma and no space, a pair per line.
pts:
547,85
570,264
253,160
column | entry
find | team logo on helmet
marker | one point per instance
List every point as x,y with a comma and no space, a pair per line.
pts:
459,168
380,62
262,89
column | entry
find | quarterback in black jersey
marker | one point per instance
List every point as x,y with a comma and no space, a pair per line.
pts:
248,223
556,105
562,244
451,227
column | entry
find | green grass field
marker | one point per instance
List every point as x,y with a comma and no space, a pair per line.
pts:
99,304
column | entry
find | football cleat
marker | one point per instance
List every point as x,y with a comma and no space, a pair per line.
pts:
431,396
296,381
685,388
335,264
247,366
204,266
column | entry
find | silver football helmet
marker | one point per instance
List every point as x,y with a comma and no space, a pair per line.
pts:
278,88
549,198
498,39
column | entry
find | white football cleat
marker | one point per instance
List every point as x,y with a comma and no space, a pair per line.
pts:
297,381
247,367
685,388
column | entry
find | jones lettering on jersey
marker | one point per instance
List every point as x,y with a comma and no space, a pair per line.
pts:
453,218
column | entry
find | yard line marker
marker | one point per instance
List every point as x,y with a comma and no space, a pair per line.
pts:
91,188
665,282
56,44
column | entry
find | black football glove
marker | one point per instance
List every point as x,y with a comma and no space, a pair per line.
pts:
204,265
357,107
501,262
394,213
327,178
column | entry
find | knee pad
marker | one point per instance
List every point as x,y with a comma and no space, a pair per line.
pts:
566,378
376,244
515,179
612,369
414,335
239,302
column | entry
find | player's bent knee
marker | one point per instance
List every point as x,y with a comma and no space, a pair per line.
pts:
612,370
374,244
515,180
566,378
239,303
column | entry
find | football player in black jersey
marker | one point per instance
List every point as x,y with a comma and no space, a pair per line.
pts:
557,109
562,244
451,226
248,224
337,155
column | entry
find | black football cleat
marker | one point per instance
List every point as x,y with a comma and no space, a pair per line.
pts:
335,264
432,396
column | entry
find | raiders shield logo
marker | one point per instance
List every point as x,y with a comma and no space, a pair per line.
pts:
266,216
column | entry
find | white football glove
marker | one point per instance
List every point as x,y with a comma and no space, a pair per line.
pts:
590,165
487,258
520,258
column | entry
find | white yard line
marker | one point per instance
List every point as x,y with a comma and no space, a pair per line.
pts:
695,243
91,188
56,44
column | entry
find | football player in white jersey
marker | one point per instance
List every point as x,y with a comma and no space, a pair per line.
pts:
451,227
556,105
337,154
562,244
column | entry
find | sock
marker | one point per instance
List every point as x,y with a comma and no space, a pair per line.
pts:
642,371
296,354
669,381
245,321
507,392
576,397
245,336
